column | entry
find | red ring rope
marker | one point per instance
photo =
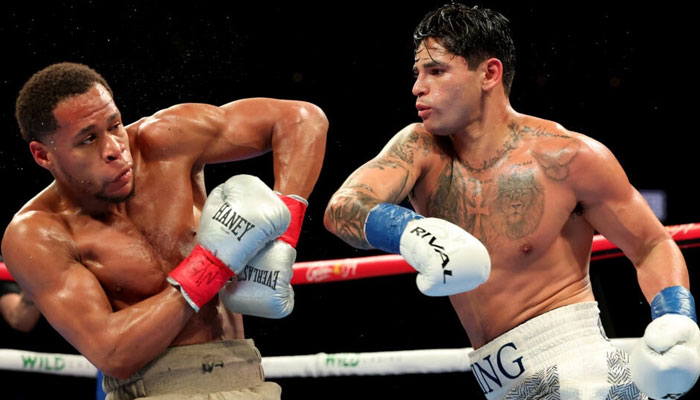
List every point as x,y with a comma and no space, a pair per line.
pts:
686,235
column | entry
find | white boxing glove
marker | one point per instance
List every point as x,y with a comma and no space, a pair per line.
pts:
665,362
264,288
238,218
449,260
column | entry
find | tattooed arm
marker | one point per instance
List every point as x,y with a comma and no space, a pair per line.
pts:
388,178
619,212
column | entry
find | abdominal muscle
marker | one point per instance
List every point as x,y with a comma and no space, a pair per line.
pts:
509,299
212,323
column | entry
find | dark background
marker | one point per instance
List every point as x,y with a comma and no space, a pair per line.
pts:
614,72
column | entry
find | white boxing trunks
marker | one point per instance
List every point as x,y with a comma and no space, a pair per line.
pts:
562,354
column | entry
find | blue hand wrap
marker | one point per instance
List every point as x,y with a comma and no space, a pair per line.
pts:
385,224
673,300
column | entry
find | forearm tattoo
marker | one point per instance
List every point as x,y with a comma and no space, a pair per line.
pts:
352,203
348,213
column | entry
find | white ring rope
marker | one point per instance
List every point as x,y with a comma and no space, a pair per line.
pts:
47,363
303,366
339,364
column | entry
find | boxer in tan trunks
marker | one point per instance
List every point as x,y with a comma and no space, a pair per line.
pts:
123,252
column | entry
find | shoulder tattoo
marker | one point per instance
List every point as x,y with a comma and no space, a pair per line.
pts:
556,163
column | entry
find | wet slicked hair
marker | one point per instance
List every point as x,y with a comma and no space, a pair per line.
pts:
473,33
44,90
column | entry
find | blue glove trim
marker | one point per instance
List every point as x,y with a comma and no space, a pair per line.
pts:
673,300
385,224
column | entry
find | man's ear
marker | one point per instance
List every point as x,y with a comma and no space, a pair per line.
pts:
40,153
493,73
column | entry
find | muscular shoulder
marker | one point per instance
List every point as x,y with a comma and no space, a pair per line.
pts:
582,163
173,130
562,154
35,236
415,144
35,222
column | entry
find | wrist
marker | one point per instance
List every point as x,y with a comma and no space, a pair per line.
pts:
297,208
200,276
385,224
673,300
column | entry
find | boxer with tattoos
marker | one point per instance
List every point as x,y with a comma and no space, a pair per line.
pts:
481,176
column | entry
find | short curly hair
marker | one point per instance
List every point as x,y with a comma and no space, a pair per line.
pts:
45,89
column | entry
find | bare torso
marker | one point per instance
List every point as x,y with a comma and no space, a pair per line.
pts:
132,254
520,205
95,248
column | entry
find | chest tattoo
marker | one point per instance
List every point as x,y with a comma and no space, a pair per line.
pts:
510,207
518,206
511,143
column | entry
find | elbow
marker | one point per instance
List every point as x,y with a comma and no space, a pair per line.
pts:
120,366
22,326
117,370
22,315
313,119
327,223
331,215
315,114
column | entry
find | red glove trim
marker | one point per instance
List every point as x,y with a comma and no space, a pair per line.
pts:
4,273
297,208
200,276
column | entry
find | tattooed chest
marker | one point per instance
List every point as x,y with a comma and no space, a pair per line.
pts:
507,206
518,195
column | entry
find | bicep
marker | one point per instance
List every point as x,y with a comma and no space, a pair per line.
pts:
382,180
615,208
208,134
391,175
76,306
387,178
246,128
65,291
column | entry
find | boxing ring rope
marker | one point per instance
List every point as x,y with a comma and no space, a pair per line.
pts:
303,366
337,364
686,236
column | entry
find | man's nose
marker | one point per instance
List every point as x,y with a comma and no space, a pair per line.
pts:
113,148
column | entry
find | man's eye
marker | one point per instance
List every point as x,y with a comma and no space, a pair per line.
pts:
88,139
115,126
